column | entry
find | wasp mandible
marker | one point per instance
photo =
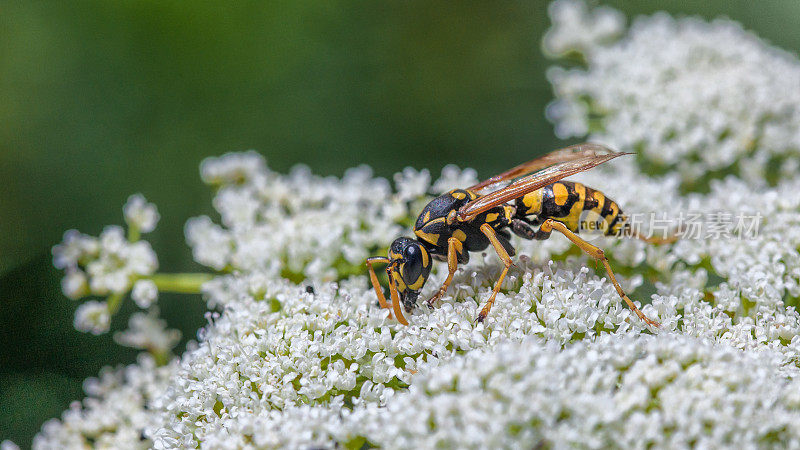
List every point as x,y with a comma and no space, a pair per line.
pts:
462,221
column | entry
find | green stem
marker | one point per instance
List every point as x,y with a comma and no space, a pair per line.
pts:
161,358
133,233
114,302
180,283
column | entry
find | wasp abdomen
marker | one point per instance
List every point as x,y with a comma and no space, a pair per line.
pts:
577,206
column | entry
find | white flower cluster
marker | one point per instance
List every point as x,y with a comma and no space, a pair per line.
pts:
623,392
144,293
113,414
256,206
140,214
667,391
578,29
277,346
301,356
702,98
330,365
108,265
626,392
148,332
300,225
743,290
93,317
103,265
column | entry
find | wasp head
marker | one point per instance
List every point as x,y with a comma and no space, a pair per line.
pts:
409,267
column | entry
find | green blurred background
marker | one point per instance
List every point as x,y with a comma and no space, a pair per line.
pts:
100,99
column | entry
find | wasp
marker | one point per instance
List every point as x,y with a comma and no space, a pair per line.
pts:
534,204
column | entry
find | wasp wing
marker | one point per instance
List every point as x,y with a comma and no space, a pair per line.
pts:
571,153
532,182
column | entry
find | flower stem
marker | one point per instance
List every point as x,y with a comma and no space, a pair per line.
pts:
133,233
180,283
114,302
161,357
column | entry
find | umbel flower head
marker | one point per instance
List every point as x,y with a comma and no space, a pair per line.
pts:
107,265
113,265
330,366
111,262
298,354
705,99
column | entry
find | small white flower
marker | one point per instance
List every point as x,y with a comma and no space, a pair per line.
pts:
8,445
93,317
141,214
76,248
114,412
75,284
144,293
454,178
148,332
211,245
412,184
119,262
576,28
233,168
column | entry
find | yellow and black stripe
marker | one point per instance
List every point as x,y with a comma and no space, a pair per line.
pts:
577,206
432,226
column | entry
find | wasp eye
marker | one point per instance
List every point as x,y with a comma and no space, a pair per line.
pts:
412,264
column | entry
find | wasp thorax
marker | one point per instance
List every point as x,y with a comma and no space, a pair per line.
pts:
409,267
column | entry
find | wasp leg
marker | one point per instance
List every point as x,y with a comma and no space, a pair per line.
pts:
598,254
503,254
524,230
454,247
398,311
374,279
395,306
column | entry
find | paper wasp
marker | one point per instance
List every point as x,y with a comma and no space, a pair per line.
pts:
462,221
